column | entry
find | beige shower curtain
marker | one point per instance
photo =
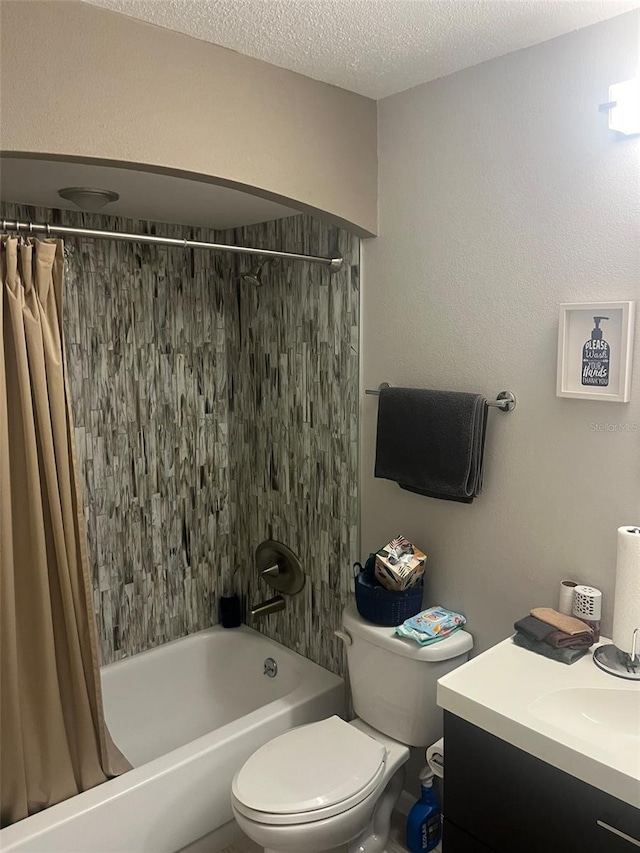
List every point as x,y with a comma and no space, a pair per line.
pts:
53,738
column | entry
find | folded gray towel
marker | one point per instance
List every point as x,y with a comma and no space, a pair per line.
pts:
541,632
432,442
562,655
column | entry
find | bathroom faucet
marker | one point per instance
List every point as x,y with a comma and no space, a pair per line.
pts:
278,567
271,605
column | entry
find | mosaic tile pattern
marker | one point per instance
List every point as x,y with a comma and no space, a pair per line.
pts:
293,362
209,416
146,350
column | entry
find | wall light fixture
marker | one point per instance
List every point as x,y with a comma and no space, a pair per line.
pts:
624,107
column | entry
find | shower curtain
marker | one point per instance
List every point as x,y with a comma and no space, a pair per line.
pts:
53,739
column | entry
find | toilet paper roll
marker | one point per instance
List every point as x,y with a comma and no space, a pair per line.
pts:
565,601
626,607
435,757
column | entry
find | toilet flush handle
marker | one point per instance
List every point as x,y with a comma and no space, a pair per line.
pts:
344,636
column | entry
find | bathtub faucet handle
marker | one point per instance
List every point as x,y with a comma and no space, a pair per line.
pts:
271,571
279,567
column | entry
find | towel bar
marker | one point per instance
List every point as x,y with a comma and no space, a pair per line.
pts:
505,401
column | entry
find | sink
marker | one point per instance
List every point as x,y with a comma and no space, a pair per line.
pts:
577,718
605,717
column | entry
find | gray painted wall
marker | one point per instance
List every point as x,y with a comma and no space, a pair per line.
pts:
502,194
210,416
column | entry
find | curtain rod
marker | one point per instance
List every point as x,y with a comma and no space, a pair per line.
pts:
334,264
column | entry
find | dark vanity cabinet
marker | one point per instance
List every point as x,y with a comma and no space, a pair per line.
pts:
499,799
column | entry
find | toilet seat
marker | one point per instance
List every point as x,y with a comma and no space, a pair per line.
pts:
309,773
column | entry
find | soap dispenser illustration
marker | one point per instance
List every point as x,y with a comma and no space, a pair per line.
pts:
595,357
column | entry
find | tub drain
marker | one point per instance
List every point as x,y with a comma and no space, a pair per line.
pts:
270,668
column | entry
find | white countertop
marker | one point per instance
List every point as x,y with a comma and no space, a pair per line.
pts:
575,717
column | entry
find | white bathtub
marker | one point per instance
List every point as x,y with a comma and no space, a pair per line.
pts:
186,715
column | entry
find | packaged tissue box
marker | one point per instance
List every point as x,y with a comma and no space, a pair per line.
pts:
399,565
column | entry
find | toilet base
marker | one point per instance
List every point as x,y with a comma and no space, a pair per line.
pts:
375,837
364,829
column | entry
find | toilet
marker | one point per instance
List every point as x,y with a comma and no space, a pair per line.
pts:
331,785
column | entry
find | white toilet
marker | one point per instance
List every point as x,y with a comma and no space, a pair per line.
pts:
331,786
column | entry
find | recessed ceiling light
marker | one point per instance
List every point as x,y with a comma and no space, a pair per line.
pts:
88,198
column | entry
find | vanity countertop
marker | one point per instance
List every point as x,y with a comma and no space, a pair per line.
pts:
576,718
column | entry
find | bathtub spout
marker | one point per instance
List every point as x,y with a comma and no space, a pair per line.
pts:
271,605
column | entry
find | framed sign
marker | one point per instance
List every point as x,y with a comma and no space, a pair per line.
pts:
595,345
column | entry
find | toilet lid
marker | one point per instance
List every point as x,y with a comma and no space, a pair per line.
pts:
310,768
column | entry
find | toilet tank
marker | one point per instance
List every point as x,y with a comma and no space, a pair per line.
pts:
393,680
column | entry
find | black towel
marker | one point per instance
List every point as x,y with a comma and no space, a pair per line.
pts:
432,442
534,629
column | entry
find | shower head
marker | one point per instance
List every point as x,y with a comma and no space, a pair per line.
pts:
253,275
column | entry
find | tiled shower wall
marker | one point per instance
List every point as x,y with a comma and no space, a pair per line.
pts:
293,425
146,350
209,416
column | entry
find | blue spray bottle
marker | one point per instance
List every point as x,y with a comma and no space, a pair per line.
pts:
423,822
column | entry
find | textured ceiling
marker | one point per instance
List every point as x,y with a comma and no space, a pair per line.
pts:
373,47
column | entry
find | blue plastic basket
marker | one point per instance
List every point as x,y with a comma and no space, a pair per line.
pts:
384,606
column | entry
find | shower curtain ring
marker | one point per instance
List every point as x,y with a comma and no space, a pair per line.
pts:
186,243
30,228
48,230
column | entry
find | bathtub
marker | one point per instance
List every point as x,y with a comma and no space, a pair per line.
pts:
186,715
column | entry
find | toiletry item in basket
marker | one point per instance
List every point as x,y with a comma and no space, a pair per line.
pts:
431,625
399,565
423,821
383,606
